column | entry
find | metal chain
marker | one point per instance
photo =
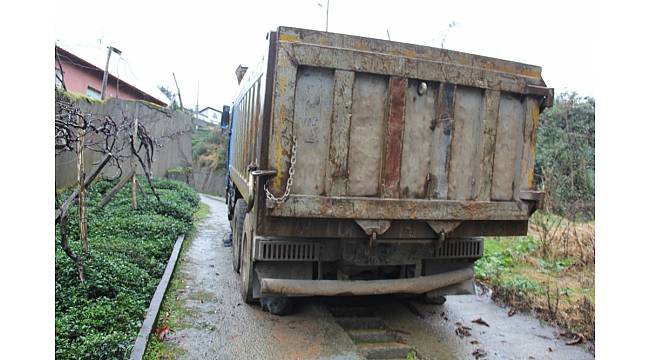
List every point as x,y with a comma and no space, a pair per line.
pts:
287,190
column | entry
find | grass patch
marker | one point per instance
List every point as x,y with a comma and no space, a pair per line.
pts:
75,97
412,355
128,252
172,312
549,272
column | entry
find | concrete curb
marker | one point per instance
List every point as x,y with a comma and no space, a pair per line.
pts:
152,313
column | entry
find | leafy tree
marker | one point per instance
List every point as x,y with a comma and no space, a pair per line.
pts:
171,96
565,160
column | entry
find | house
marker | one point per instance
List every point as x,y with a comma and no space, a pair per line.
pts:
82,77
210,115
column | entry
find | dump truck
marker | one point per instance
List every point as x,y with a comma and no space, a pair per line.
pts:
361,166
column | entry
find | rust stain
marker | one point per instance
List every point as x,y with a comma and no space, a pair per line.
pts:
513,69
413,212
463,59
470,209
360,45
408,53
393,162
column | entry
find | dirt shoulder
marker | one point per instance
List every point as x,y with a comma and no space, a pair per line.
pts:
550,272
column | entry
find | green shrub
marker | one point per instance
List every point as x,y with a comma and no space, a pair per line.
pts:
128,252
565,159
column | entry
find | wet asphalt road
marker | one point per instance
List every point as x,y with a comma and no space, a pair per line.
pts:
218,325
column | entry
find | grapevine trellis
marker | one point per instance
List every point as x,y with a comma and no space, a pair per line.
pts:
82,133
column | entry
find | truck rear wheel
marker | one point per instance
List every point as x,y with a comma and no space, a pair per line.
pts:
277,305
246,265
238,225
429,298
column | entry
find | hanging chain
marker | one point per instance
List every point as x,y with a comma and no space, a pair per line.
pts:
287,190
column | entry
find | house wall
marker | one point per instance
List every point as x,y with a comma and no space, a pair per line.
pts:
77,79
211,116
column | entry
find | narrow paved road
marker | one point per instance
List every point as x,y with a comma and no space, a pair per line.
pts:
220,326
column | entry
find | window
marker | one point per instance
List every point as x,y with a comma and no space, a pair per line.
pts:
58,77
93,93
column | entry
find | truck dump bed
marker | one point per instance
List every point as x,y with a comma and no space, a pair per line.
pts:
394,131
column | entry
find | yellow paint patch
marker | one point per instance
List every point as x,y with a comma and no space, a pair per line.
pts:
278,150
408,53
535,114
289,37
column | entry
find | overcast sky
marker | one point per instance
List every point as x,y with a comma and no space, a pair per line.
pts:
203,42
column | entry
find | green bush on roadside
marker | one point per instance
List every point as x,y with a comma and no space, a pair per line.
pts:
128,252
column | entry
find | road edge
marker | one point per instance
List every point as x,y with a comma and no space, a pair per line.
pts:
217,198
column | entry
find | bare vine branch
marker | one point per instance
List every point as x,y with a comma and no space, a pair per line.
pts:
105,136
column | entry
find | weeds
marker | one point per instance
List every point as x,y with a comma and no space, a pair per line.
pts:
550,272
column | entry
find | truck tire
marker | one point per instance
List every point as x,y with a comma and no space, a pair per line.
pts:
433,299
277,305
238,225
246,273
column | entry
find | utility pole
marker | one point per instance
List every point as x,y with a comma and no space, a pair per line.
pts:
105,79
327,16
180,99
196,110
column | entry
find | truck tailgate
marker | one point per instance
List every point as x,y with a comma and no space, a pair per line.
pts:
387,130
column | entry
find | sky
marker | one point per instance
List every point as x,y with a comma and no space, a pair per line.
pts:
204,42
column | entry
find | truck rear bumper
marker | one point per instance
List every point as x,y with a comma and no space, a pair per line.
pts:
417,285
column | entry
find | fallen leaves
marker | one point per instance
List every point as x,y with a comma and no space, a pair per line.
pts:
574,338
479,353
480,321
511,312
577,339
162,332
462,330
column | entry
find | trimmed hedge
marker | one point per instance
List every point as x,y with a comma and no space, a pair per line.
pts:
129,249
